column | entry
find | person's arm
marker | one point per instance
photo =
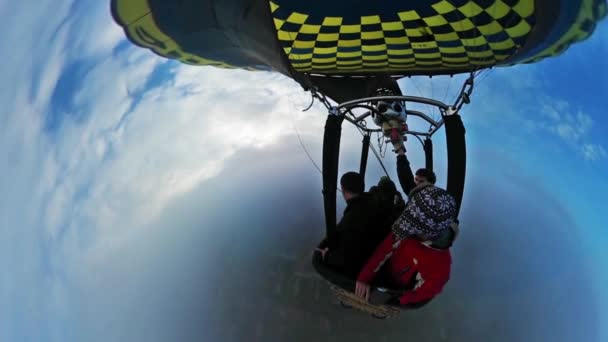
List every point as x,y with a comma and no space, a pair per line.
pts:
405,174
382,253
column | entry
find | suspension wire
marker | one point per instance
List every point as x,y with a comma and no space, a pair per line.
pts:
292,116
462,98
484,77
454,98
371,146
321,97
447,91
421,95
458,95
419,139
312,102
379,160
381,144
433,109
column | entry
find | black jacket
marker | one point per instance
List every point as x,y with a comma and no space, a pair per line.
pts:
356,236
391,203
366,221
405,174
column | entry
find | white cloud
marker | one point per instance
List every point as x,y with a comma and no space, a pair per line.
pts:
584,123
524,103
558,118
93,32
29,72
131,163
553,112
566,131
574,130
594,152
74,194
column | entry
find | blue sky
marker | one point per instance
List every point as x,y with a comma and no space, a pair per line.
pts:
113,163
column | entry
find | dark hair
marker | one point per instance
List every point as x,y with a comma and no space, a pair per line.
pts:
352,182
428,174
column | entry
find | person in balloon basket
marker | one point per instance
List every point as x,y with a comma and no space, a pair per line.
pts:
407,178
390,203
366,221
357,234
409,255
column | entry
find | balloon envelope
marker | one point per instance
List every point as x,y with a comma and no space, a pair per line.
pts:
302,39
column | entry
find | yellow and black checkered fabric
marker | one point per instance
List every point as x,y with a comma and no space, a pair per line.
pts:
591,12
143,30
405,37
474,35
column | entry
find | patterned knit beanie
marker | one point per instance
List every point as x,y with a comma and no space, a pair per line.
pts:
428,213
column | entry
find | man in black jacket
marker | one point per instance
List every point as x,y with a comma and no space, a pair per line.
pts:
407,179
358,233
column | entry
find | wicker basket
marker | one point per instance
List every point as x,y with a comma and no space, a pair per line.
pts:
349,299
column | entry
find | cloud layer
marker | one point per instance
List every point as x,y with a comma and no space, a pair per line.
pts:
90,161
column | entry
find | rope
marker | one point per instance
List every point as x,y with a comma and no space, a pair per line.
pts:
484,76
447,91
434,109
300,138
421,94
379,160
381,144
372,147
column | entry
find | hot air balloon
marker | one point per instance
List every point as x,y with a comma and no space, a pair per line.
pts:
352,52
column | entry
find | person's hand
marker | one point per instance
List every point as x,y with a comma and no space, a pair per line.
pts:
362,290
323,252
399,147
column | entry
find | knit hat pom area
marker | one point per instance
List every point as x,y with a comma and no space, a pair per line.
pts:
427,215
